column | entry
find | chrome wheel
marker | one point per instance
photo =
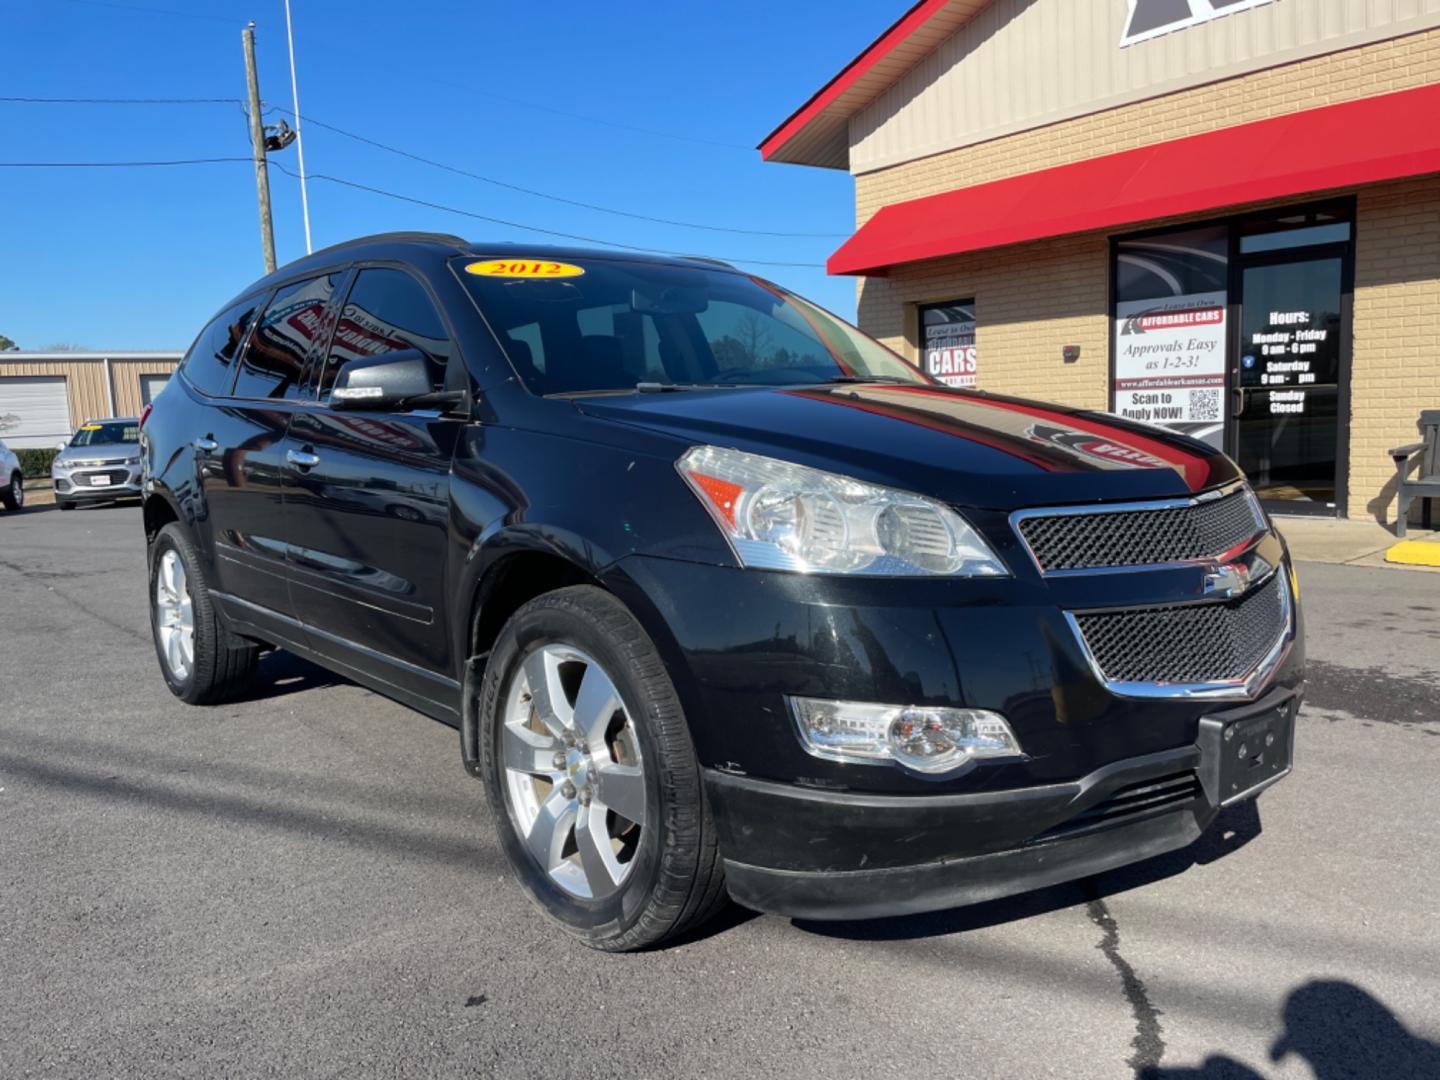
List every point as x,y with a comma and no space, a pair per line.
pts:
574,776
174,616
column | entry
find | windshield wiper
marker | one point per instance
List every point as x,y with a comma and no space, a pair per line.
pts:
845,379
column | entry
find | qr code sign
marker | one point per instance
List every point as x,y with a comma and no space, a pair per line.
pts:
1204,404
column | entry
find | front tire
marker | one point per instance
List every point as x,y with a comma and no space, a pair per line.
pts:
203,663
13,494
591,775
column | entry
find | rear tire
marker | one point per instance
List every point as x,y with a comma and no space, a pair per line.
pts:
611,880
202,662
13,494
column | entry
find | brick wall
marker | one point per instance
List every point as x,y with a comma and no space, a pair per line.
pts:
1395,369
1032,299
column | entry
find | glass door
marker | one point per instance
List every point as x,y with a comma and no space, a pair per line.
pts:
1292,360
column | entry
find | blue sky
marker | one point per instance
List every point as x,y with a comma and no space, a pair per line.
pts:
649,107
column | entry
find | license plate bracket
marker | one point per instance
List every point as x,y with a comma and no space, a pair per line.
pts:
1244,753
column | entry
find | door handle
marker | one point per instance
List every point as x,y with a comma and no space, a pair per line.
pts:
302,459
1240,400
207,444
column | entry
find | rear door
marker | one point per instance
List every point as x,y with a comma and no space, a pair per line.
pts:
264,344
368,498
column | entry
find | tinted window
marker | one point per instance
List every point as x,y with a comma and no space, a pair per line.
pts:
210,361
275,357
611,324
387,311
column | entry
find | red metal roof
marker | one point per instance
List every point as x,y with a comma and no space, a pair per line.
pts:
818,132
1358,142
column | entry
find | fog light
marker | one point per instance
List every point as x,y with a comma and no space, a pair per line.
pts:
928,740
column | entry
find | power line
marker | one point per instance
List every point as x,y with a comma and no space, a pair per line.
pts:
477,92
433,163
121,101
116,164
528,228
546,195
157,11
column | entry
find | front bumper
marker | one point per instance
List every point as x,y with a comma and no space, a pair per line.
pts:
808,853
101,482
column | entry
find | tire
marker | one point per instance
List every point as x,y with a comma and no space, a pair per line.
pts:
220,665
64,504
670,877
13,494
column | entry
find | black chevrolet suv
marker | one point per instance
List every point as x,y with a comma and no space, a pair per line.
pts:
724,598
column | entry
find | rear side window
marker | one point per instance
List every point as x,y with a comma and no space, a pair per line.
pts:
210,361
275,357
387,311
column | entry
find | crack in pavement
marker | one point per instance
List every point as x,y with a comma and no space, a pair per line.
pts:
30,576
1149,1041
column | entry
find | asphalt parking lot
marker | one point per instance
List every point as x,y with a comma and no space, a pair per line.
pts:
306,884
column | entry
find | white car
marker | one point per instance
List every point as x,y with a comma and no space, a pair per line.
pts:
12,495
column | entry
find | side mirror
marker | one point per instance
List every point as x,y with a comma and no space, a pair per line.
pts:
62,444
388,382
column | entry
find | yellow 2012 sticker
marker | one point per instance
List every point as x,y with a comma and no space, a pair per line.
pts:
524,268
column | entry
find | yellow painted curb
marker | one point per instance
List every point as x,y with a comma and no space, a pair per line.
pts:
1415,553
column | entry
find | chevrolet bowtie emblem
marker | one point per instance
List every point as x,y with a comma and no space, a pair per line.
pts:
1229,580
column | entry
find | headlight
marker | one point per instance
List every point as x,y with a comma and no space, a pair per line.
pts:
928,740
782,516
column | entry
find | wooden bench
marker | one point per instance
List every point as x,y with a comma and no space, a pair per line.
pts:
1422,459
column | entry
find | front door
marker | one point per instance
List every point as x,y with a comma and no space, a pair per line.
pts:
368,501
1289,379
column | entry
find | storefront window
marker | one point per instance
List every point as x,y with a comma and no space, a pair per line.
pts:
948,342
1170,330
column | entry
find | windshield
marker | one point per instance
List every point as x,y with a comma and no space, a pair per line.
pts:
107,433
597,324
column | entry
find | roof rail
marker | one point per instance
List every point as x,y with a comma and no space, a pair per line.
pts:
375,238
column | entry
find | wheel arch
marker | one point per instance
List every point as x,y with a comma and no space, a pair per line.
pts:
515,567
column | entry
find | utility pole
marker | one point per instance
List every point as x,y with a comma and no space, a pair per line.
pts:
257,146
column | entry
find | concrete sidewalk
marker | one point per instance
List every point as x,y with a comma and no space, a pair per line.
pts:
1353,543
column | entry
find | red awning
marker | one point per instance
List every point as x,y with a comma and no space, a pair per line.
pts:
1337,146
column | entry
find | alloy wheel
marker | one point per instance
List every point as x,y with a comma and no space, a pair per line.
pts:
174,616
574,775
17,492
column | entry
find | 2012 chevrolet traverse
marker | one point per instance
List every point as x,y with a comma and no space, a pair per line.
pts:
725,598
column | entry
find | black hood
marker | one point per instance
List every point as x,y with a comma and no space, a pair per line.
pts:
963,447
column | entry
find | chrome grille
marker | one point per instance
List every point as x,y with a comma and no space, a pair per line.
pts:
1139,535
1188,643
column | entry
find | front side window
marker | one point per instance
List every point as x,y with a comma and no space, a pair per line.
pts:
275,357
612,324
210,363
107,433
388,311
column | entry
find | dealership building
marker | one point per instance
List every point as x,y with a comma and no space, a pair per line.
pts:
1220,216
46,396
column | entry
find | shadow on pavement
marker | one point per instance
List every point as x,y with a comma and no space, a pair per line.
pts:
1341,1031
1233,829
281,673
